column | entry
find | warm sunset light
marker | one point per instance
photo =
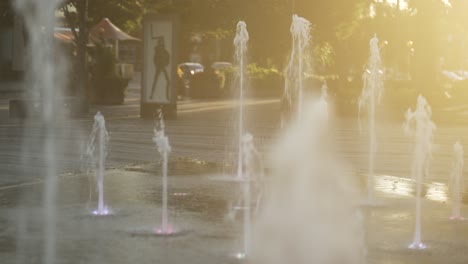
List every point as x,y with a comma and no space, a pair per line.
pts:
233,131
403,4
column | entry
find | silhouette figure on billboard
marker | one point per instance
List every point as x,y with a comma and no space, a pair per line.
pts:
161,60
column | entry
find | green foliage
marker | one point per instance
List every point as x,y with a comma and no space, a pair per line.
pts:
103,61
324,55
265,81
107,86
340,35
257,72
125,14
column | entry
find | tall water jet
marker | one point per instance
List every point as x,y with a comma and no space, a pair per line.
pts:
419,124
44,76
371,94
324,92
310,211
322,104
240,44
248,152
252,191
96,152
456,181
293,86
162,143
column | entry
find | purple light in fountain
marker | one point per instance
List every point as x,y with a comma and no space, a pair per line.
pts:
165,231
419,245
95,157
104,211
180,194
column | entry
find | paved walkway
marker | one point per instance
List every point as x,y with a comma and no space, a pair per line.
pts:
205,129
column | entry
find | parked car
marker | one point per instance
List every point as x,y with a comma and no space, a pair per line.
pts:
189,68
185,71
207,84
221,65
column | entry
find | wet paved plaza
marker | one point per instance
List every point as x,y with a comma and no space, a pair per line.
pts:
199,205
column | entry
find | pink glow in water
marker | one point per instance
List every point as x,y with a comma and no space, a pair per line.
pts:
180,194
167,231
105,211
417,246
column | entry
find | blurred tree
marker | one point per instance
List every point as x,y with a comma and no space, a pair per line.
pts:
341,34
456,28
428,37
80,15
125,14
267,23
77,21
341,30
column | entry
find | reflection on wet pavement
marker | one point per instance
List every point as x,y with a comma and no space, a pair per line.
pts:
405,187
394,185
198,207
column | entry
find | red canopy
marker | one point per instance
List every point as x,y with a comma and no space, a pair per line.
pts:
105,29
64,35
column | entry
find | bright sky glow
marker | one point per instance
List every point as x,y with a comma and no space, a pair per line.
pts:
447,2
404,3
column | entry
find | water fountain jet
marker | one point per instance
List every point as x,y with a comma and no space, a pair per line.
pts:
310,211
46,68
97,143
370,97
251,185
293,86
162,144
322,104
240,44
248,151
456,182
419,124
